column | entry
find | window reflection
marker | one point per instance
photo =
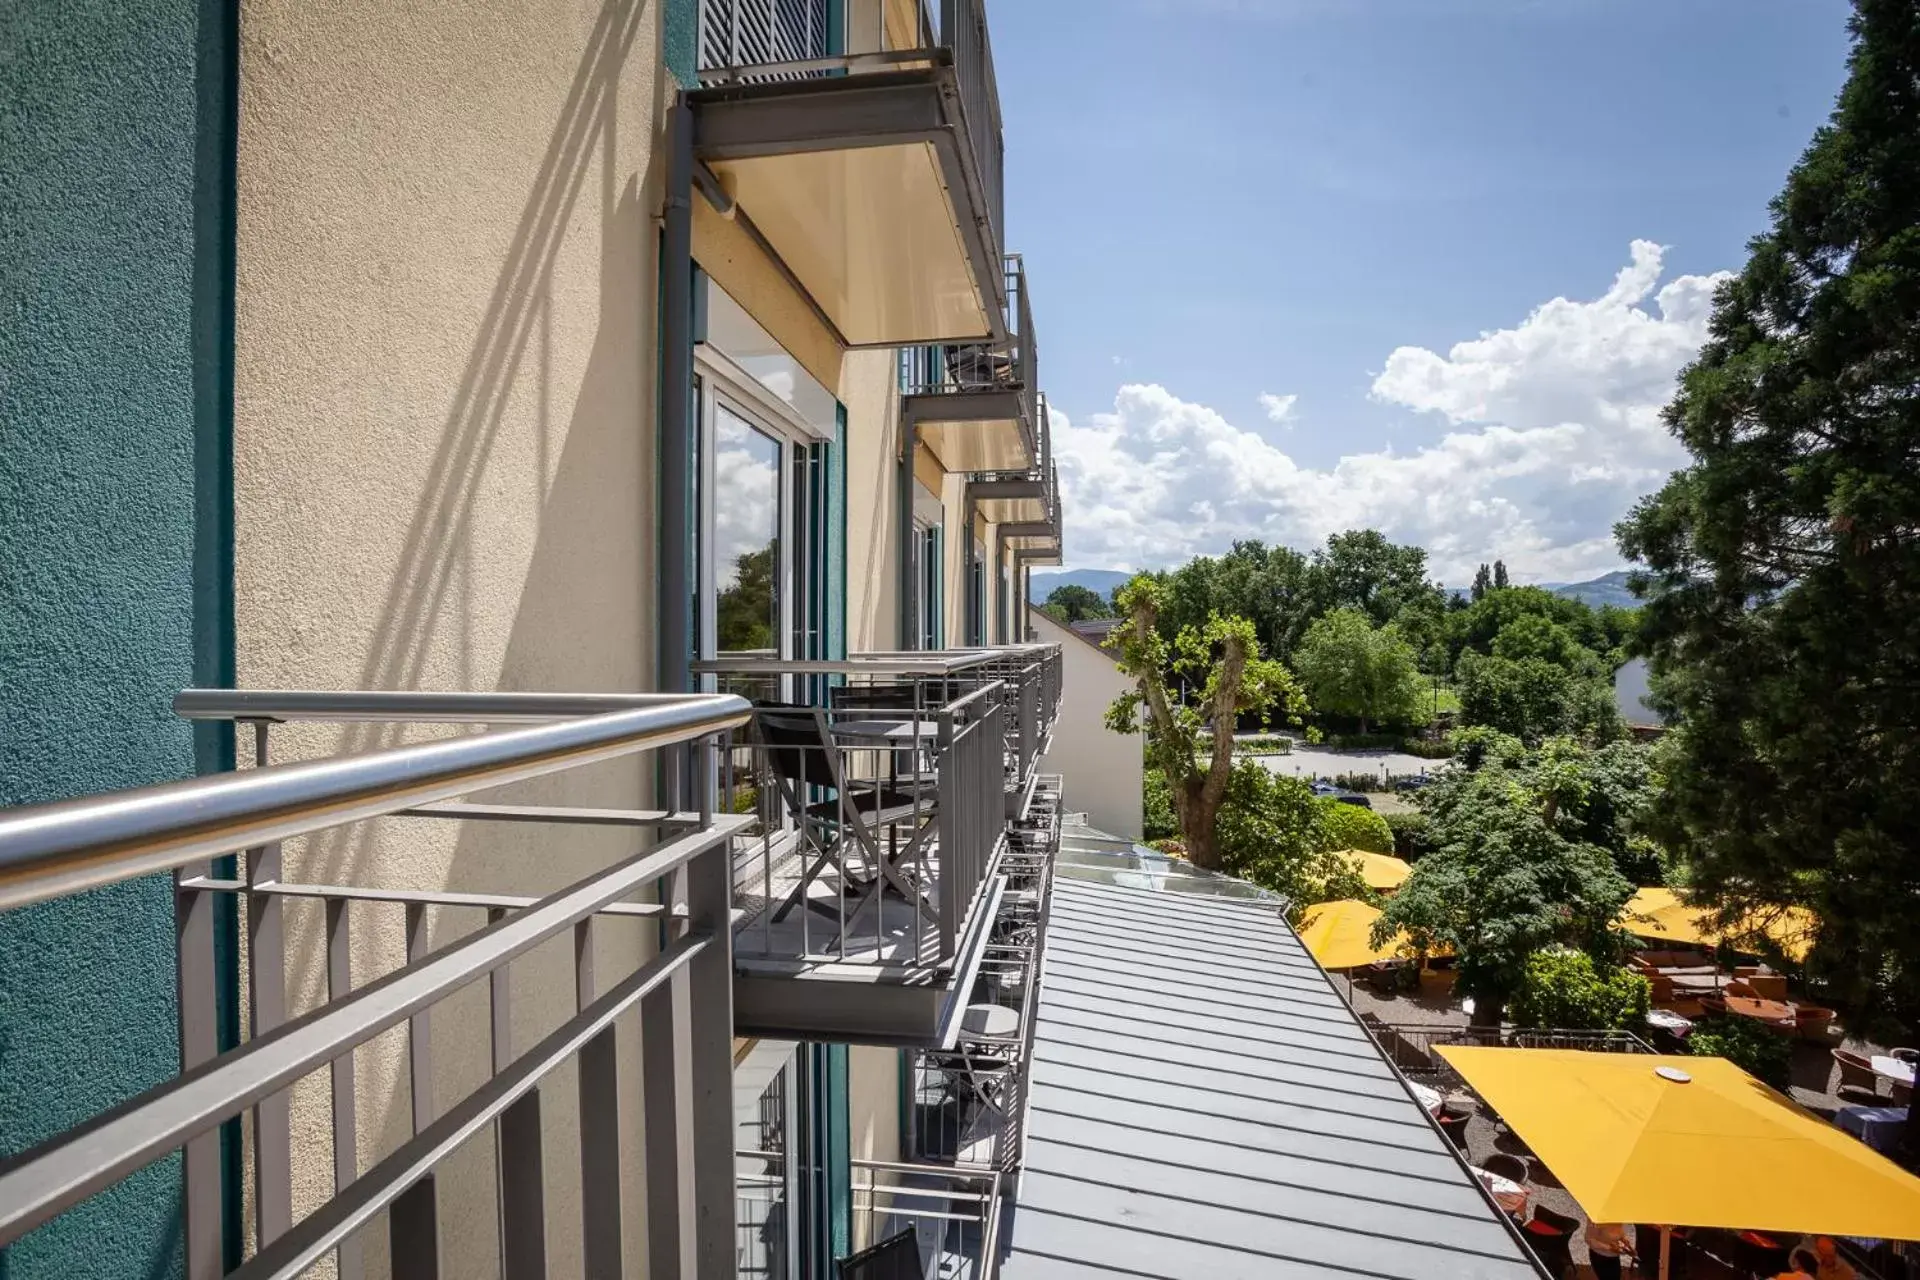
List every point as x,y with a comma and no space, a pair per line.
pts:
746,537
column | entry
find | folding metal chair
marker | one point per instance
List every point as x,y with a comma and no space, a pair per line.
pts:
802,755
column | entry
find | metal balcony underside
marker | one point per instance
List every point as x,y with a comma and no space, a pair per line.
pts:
1011,500
864,186
896,1004
973,430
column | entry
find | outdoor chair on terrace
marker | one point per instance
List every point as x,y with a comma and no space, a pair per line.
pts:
845,828
1857,1075
895,1258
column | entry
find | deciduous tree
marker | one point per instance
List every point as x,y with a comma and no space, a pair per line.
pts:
1192,743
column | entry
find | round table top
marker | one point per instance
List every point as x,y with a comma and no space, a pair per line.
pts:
1764,1010
989,1020
1507,1193
1892,1068
1429,1097
1668,1020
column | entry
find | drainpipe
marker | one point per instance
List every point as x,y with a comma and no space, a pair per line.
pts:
676,431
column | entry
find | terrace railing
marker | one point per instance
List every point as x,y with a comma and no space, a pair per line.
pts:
1410,1046
956,368
923,733
681,997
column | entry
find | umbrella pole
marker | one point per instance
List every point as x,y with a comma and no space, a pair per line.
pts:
1666,1247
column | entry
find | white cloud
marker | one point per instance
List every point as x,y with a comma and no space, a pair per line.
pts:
1555,429
1278,408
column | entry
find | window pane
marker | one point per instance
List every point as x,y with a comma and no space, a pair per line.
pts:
746,537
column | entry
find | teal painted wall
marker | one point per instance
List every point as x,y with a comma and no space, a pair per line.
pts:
115,222
679,39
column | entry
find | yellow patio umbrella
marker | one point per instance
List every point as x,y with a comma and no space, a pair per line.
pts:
1660,915
1693,1142
1337,933
1381,871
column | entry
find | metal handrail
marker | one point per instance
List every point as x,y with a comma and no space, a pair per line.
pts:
49,850
937,662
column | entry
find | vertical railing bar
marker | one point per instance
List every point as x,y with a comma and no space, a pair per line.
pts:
196,988
709,1001
346,1125
413,1233
267,983
419,1028
665,1081
599,1118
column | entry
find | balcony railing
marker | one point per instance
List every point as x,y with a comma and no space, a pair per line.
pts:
681,997
877,807
969,1100
951,369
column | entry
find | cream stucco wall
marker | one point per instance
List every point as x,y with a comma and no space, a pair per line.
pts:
444,404
873,1117
1101,771
870,390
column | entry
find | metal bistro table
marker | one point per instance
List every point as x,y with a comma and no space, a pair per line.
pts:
891,732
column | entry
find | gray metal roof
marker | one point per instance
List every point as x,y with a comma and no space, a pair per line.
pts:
1204,1104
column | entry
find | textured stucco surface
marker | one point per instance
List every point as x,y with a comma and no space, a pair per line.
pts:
444,402
1101,771
96,563
869,387
873,1118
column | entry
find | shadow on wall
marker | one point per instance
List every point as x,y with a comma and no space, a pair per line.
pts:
571,614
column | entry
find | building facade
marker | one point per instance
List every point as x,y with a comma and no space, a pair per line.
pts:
602,348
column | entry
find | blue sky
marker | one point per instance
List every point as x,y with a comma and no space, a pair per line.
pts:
1221,200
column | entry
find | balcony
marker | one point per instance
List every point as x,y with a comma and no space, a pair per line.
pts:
873,176
879,789
662,906
978,407
1026,497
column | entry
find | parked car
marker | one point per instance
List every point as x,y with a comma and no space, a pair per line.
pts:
1341,794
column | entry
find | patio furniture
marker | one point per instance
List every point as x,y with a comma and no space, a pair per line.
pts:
1503,1165
1878,1127
1429,1098
1455,1127
1812,1022
1550,1235
895,1258
1772,1013
802,753
1507,1192
1856,1073
1888,1067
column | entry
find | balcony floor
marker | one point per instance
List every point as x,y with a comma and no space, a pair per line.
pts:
827,927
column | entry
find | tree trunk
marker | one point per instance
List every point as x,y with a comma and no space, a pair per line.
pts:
1488,1011
1196,824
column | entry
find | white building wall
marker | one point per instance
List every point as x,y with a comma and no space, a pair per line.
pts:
1101,771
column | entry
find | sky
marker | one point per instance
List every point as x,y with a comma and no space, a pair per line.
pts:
1425,266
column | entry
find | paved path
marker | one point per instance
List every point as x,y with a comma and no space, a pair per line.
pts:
1324,762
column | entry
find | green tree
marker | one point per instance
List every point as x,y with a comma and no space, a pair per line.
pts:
1273,832
1566,990
1352,668
1534,699
1782,565
1508,874
1482,583
1348,826
1500,580
1075,603
1361,570
1192,744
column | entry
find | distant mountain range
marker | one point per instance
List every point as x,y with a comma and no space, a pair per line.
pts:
1608,588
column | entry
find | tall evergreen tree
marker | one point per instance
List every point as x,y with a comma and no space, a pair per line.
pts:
1782,567
1482,583
1500,580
